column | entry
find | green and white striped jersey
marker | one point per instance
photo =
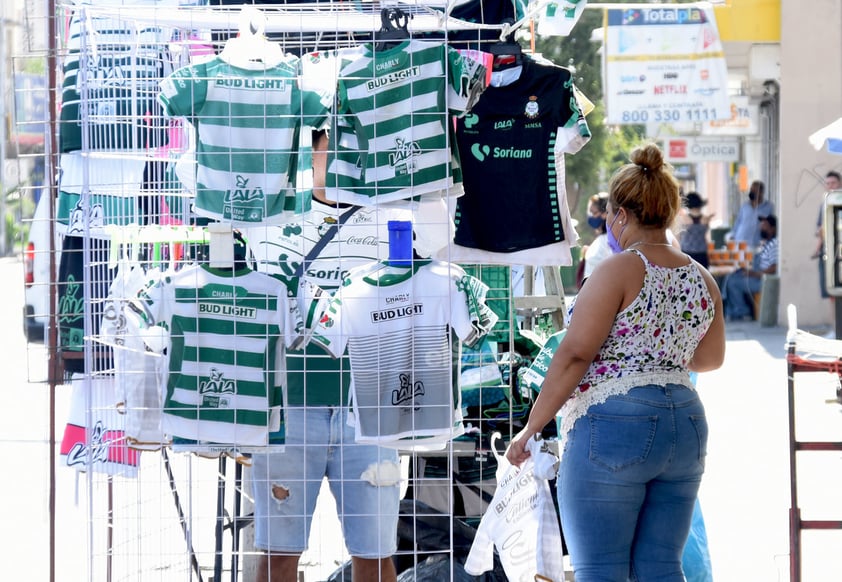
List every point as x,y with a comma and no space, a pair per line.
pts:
108,95
228,330
389,136
248,122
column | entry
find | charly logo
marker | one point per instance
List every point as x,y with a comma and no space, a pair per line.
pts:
407,390
292,229
402,157
471,120
480,151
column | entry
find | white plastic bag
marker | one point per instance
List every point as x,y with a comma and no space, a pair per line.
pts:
521,521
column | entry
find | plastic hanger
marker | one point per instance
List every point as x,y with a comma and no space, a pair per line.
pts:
393,28
250,48
507,52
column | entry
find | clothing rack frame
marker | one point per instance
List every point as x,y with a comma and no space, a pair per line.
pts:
316,17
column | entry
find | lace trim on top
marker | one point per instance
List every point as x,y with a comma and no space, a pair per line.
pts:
577,407
651,341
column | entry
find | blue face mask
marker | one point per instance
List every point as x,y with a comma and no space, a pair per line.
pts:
596,222
613,243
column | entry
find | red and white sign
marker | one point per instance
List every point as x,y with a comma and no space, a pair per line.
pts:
686,150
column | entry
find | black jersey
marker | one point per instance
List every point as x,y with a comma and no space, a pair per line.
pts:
510,147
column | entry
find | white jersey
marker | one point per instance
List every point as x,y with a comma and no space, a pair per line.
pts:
397,323
521,521
228,330
139,373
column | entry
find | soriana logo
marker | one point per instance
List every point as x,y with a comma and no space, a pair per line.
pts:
677,148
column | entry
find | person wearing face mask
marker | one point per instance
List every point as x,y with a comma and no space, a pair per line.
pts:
746,225
740,286
598,249
633,431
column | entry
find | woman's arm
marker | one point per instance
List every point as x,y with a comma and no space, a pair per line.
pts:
609,289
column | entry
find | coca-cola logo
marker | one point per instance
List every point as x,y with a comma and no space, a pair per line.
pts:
363,240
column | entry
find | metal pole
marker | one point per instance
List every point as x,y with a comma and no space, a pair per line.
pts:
4,250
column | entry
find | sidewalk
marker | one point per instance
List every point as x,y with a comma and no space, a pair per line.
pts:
745,493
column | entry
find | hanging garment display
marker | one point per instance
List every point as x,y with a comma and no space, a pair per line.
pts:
513,174
226,335
389,136
396,323
84,278
98,191
94,436
113,66
248,119
350,237
139,373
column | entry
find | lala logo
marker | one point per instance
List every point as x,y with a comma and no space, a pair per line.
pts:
407,390
217,384
95,217
100,446
244,203
242,193
401,158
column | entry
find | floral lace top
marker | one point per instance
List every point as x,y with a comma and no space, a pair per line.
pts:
651,342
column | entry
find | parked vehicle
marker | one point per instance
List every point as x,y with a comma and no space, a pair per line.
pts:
36,273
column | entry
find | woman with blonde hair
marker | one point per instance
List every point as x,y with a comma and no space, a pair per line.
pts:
633,432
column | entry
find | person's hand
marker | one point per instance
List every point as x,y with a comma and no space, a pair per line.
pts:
517,453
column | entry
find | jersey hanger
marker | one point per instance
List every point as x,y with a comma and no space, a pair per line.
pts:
250,48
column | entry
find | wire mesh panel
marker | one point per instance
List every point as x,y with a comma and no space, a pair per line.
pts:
246,358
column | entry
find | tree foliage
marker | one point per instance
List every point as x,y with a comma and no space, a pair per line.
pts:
589,170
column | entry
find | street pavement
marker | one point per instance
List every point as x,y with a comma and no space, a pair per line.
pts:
745,495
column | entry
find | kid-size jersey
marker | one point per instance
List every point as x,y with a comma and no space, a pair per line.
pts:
111,75
248,122
510,145
389,135
396,323
227,332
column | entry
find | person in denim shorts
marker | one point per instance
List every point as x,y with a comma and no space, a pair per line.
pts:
633,432
318,442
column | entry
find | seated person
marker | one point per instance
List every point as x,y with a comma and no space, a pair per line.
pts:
740,286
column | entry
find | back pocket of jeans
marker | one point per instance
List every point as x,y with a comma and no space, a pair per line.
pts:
701,424
618,442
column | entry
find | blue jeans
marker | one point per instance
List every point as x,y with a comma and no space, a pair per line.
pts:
319,444
737,294
628,481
